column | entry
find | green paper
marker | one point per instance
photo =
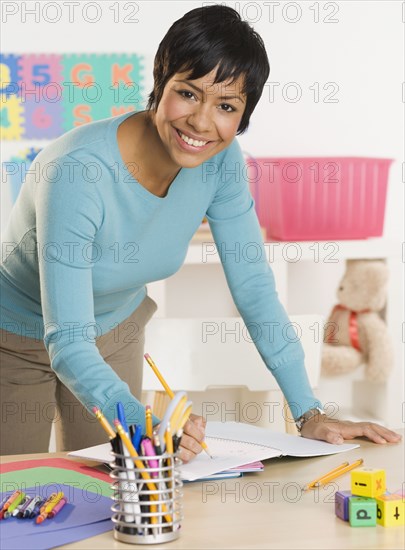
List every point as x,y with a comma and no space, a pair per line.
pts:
52,477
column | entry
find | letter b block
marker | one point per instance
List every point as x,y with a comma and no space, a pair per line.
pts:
368,482
390,510
362,512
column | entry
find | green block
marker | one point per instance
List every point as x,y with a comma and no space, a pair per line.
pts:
362,511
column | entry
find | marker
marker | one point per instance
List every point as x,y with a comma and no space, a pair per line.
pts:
10,500
148,450
26,513
8,512
136,439
121,416
37,508
177,439
57,508
23,507
49,506
23,502
156,443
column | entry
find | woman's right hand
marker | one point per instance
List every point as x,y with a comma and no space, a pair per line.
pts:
193,435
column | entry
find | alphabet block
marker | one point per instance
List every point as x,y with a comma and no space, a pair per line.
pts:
368,482
390,510
362,512
342,504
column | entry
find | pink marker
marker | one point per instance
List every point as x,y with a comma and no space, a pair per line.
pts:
149,450
57,508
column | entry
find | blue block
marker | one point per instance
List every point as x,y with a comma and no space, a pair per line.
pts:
342,504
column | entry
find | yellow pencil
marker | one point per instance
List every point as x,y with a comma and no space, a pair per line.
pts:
311,484
160,377
329,477
104,422
169,391
169,439
148,420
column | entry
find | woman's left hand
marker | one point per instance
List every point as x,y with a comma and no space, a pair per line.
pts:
336,431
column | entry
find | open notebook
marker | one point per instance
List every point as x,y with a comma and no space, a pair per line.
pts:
234,444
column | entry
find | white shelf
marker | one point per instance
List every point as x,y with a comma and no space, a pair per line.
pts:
306,274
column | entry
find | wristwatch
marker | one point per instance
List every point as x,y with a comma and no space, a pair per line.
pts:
306,416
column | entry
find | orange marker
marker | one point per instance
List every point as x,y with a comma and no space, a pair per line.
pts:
10,500
49,506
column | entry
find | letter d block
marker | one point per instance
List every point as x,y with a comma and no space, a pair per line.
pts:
390,510
362,511
368,482
342,504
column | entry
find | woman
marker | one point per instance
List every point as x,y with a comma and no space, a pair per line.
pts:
114,208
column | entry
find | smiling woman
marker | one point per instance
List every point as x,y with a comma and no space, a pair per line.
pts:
72,329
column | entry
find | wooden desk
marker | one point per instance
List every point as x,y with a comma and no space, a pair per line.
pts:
267,510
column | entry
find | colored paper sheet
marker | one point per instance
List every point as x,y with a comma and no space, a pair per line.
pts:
42,541
54,463
79,513
52,479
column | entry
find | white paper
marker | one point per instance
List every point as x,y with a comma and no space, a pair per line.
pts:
287,444
234,444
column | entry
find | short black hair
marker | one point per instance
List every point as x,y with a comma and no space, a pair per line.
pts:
205,38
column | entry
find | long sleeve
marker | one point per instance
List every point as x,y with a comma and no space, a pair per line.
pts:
69,214
235,227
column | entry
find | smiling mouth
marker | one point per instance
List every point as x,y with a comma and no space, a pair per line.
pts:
191,141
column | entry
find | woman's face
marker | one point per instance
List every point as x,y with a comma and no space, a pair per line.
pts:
196,119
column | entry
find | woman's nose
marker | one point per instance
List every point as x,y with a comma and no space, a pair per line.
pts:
200,119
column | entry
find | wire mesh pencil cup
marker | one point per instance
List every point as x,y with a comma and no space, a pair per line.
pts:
146,511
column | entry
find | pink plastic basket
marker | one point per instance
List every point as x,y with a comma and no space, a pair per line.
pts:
322,198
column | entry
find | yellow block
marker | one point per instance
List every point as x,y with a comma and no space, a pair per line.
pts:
390,510
368,482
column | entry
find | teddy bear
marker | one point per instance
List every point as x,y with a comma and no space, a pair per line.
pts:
355,333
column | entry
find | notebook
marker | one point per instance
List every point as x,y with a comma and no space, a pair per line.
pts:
235,444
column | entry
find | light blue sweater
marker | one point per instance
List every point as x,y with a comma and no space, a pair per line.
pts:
84,238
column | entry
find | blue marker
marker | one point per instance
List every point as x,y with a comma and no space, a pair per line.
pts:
136,440
37,508
121,416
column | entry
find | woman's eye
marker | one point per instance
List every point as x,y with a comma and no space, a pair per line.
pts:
186,94
226,107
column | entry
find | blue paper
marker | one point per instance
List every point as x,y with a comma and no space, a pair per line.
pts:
43,541
85,515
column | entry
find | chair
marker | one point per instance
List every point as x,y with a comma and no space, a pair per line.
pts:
195,354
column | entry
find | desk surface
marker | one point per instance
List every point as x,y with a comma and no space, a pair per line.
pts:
267,510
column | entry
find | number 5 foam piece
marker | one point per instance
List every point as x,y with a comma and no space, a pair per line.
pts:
390,510
368,482
362,512
342,504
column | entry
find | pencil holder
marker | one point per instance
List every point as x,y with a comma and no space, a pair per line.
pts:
147,498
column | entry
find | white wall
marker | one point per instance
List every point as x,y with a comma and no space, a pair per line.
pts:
361,55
